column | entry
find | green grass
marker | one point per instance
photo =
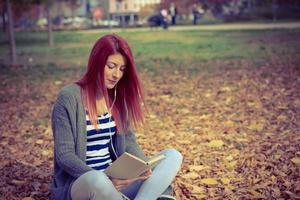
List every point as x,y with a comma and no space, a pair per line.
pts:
156,50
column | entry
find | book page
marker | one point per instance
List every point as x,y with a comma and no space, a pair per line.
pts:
128,166
155,160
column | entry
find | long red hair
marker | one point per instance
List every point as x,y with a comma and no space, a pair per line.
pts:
127,109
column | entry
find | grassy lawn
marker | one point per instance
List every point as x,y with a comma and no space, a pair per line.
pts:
158,49
227,100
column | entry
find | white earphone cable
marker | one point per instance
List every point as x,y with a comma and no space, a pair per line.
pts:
110,115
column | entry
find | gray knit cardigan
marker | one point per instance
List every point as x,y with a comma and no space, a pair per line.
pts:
69,133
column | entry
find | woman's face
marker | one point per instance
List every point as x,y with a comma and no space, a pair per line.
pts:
114,70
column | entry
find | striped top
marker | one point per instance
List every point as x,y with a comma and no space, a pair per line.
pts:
97,153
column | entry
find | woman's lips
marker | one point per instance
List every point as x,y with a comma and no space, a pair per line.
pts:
112,82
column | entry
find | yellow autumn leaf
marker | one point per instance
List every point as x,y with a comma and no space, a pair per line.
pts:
207,95
252,104
45,152
48,131
203,117
297,102
256,195
191,175
296,160
256,126
27,198
197,167
184,111
229,158
216,143
58,82
226,89
242,139
229,123
232,164
152,116
39,142
228,100
202,196
209,181
273,178
277,156
197,189
225,180
282,118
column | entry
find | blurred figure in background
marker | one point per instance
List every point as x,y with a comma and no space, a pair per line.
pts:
164,18
173,13
197,12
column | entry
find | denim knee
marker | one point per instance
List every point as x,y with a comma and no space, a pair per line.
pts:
174,155
98,183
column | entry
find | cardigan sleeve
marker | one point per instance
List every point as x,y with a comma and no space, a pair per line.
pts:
132,146
63,123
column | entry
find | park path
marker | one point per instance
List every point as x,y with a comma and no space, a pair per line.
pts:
240,26
217,27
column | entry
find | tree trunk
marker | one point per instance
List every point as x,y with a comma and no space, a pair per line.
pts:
49,26
274,9
249,5
3,19
13,53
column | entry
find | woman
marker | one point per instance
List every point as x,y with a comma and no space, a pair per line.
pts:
91,123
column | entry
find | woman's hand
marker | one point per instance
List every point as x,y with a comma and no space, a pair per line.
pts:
123,183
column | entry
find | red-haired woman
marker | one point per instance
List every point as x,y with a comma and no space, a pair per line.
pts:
91,123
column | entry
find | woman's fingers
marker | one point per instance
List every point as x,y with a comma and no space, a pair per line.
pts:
122,183
146,174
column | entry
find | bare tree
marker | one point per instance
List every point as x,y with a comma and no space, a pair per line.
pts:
74,5
3,11
49,26
11,34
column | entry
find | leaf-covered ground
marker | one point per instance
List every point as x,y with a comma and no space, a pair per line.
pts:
237,128
238,132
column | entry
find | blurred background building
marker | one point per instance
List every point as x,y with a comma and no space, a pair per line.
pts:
76,14
128,12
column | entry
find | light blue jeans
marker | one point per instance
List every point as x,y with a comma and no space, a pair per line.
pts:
95,185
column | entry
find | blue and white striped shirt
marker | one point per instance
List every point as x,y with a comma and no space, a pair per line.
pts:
97,153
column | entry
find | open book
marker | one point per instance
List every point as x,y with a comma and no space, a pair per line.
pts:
128,166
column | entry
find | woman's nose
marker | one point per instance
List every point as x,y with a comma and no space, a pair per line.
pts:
116,73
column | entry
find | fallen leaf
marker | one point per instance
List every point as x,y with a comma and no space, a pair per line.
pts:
46,152
296,160
209,181
216,143
191,175
39,141
197,167
232,164
197,189
58,82
225,180
18,182
229,123
292,195
256,126
27,198
229,158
